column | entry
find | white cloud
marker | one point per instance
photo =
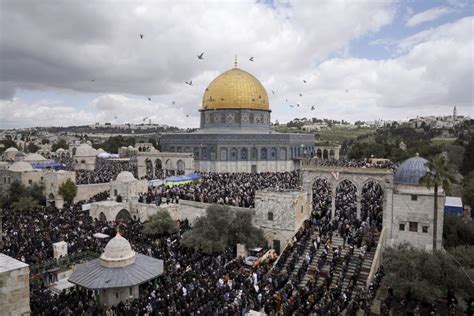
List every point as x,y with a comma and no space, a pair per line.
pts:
428,15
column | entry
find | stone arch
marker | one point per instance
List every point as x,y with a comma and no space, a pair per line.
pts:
233,154
371,202
254,154
123,216
180,166
179,149
158,168
51,199
74,151
319,153
244,154
102,217
331,154
321,197
325,154
283,153
264,153
149,169
223,154
346,198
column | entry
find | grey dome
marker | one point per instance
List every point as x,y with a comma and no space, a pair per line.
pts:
411,170
20,154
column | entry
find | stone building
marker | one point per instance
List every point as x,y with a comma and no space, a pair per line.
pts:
118,273
407,206
14,287
84,157
413,207
280,214
22,172
235,134
9,154
52,182
127,187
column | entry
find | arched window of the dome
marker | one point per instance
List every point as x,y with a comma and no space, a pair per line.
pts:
253,153
283,153
264,154
205,154
244,154
223,154
273,154
196,152
233,154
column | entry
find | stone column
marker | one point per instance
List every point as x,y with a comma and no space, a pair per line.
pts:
358,200
333,203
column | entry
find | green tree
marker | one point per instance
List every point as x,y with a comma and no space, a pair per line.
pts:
60,144
68,190
457,231
468,189
440,175
426,276
44,141
159,224
32,148
468,158
25,203
112,144
221,228
7,143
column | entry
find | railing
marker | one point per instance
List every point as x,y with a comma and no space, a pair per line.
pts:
378,256
64,262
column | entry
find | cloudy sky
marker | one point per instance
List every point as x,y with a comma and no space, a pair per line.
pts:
80,62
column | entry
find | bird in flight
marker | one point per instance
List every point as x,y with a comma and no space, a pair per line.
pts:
141,36
312,108
173,102
144,119
92,80
115,117
200,56
286,100
190,82
149,99
347,90
292,106
187,115
273,92
304,81
301,95
297,104
251,58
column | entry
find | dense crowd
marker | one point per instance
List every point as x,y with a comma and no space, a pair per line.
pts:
354,163
235,189
105,171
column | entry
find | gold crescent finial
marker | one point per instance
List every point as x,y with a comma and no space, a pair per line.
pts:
235,62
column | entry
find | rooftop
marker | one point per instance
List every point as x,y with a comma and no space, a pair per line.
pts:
9,264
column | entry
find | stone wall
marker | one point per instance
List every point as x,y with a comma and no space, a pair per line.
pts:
192,210
246,166
14,287
86,191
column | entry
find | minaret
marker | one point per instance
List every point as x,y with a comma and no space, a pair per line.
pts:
454,113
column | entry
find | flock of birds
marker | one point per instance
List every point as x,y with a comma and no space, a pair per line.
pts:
190,83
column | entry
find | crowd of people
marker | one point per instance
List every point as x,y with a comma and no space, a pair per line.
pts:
235,189
354,163
105,171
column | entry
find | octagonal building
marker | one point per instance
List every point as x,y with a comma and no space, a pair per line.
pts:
235,133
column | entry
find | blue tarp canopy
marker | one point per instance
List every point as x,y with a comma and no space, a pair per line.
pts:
177,179
47,165
193,176
453,205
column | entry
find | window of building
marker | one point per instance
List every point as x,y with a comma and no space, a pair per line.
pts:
424,229
115,192
401,226
116,294
8,180
270,216
30,182
302,208
413,226
414,197
130,291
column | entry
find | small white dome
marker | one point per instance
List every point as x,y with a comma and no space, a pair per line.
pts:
34,158
60,150
100,150
21,166
130,147
85,150
125,176
117,253
11,149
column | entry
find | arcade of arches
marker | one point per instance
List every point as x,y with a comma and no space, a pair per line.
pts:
159,165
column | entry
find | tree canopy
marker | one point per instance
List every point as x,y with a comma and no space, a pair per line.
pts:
160,223
457,232
17,191
112,144
25,203
60,144
68,190
221,228
426,276
468,158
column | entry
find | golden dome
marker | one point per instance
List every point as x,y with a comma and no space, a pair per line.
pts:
235,89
